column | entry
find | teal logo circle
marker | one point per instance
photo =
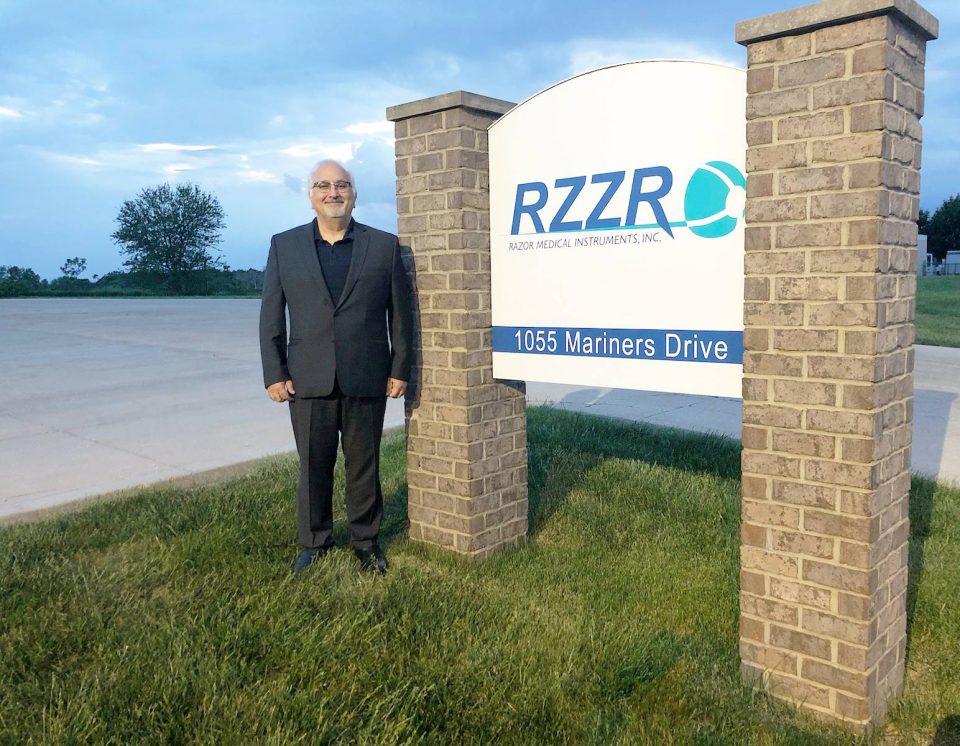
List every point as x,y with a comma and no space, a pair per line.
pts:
715,199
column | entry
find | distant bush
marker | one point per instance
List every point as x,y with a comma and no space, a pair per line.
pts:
22,282
17,281
69,284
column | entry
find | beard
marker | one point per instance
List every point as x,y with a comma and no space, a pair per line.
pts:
335,209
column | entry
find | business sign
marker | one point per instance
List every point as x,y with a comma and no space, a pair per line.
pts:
616,228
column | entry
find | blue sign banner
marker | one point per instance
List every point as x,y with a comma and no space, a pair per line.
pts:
675,345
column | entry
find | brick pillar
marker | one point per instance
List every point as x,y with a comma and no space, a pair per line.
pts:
835,95
466,433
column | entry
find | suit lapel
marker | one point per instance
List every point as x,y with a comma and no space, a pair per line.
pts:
311,262
360,242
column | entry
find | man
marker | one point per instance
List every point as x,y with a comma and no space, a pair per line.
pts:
349,347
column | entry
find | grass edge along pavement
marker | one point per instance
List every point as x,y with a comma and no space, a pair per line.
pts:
172,615
938,311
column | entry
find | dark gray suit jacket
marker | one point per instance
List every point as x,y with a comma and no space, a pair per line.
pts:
362,339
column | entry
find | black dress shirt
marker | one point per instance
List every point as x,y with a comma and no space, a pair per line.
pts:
334,259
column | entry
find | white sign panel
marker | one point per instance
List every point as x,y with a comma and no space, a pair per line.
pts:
616,227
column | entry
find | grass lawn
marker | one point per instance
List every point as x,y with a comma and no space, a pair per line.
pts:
172,617
938,311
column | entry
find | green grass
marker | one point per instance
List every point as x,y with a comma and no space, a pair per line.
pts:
172,617
938,311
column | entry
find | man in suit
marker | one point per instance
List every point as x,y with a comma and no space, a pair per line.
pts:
349,347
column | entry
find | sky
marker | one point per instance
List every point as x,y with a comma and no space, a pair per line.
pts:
99,100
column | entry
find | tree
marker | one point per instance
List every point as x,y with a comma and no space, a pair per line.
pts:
170,232
923,222
15,281
73,268
944,228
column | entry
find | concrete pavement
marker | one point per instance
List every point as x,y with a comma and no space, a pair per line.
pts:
936,412
98,395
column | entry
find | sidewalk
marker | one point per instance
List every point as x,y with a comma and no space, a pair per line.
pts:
936,413
98,395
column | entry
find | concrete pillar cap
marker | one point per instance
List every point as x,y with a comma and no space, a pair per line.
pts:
833,13
452,100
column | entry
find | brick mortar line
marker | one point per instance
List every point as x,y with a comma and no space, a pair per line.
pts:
801,657
826,459
821,586
811,482
454,532
841,539
824,83
465,517
809,656
801,605
832,355
835,560
819,55
831,408
834,664
820,635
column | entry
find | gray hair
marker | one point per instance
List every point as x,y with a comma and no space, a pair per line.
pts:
330,162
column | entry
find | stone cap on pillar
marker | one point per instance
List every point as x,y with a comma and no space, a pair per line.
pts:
834,12
452,100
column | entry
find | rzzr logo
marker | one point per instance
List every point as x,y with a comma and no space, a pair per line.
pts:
713,201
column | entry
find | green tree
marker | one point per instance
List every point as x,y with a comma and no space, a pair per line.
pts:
923,222
16,281
943,231
171,232
73,268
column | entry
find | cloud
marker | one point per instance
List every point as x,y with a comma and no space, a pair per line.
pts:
589,54
253,161
8,113
176,168
255,175
318,150
119,161
520,71
369,128
65,159
159,147
60,88
381,131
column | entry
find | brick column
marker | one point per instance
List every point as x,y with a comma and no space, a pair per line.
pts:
835,95
466,433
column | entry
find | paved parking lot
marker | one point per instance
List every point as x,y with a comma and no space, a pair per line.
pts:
98,395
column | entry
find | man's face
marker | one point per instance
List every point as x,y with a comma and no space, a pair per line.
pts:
326,199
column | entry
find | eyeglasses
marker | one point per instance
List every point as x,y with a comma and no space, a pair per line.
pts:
325,186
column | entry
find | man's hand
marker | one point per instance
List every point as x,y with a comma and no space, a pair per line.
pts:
281,391
395,388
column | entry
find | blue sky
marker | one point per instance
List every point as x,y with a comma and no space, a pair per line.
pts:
101,99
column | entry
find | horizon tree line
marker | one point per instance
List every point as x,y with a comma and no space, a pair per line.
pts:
169,234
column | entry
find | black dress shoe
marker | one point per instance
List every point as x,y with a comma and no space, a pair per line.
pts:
372,559
308,557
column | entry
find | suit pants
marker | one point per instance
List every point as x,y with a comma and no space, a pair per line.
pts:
318,424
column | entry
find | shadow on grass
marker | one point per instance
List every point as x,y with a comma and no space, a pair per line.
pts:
922,491
393,456
948,732
394,524
565,446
